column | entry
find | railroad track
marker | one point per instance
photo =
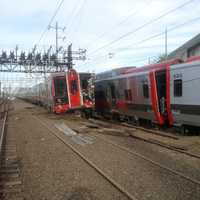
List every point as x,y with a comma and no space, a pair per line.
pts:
90,163
149,160
155,142
10,182
106,176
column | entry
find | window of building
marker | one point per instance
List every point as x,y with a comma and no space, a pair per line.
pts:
128,95
145,90
178,87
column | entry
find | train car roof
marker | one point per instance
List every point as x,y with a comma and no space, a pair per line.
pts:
113,72
123,72
55,74
86,75
185,65
193,58
156,66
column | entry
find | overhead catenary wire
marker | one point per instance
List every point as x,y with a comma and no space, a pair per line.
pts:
122,21
142,26
78,14
160,34
50,22
123,49
75,12
101,60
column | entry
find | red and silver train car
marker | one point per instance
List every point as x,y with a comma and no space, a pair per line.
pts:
164,93
184,94
140,93
60,93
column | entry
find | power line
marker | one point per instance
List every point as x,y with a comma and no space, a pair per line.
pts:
56,28
72,13
51,20
160,34
125,19
76,12
79,17
154,36
142,26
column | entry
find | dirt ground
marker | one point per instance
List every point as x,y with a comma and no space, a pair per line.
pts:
50,170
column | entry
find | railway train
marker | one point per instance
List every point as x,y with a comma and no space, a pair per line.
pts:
61,92
165,93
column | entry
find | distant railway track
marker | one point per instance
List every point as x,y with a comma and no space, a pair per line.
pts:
107,177
10,182
161,133
4,113
2,136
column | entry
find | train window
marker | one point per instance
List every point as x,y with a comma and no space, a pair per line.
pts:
60,86
178,87
112,88
128,95
145,90
74,86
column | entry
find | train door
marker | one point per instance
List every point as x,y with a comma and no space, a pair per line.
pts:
161,91
74,92
158,95
111,94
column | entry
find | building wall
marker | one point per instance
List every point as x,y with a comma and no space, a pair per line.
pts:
187,50
194,51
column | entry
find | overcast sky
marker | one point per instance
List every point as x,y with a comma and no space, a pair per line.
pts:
93,24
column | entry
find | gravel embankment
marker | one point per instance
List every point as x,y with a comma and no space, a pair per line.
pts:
50,170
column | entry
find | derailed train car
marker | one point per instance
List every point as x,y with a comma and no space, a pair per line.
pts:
164,93
140,93
59,93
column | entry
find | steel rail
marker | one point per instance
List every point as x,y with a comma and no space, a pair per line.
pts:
155,142
149,160
90,163
166,146
3,132
155,132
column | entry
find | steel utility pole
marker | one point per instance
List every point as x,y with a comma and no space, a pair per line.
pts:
16,49
57,28
74,55
166,53
70,59
56,38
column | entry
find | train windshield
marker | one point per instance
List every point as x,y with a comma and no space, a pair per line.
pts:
60,86
74,87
